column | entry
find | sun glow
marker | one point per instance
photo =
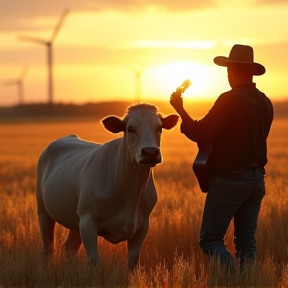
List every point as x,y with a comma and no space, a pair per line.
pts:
167,77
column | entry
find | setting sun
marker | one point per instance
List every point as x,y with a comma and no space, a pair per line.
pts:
169,76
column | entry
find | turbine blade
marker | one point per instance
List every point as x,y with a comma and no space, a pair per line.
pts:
59,24
32,39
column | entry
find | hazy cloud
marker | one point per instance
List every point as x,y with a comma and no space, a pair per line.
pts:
272,56
17,14
272,2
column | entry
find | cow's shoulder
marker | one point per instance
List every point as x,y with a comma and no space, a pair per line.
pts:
108,149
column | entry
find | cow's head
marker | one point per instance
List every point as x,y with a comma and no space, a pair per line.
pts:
142,127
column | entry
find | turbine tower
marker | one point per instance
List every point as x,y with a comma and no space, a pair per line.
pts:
19,83
49,44
138,71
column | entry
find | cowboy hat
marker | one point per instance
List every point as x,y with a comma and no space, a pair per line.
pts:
242,55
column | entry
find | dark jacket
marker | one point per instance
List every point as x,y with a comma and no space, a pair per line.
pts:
237,125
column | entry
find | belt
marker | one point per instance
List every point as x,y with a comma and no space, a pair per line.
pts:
253,166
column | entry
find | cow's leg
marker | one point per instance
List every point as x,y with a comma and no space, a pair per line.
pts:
135,244
72,242
47,225
89,233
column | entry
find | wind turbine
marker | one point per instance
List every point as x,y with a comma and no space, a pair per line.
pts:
138,71
19,83
49,44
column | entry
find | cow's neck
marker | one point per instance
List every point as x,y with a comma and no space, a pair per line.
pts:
130,177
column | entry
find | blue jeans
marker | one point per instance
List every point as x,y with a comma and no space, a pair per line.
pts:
237,196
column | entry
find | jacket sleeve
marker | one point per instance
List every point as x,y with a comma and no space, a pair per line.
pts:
215,121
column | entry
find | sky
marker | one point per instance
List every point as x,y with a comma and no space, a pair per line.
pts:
137,49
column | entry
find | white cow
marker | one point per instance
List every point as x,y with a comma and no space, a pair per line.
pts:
102,189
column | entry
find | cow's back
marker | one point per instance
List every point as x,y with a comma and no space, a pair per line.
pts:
59,169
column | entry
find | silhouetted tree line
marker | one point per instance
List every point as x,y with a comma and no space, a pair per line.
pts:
102,109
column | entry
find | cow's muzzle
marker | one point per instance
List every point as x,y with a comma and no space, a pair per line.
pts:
150,156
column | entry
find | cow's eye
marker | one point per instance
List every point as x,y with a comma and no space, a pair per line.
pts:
131,129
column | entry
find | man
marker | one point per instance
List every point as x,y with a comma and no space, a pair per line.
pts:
237,125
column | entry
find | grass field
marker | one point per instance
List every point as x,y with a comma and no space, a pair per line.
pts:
170,256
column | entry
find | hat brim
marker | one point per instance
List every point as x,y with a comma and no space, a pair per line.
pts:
255,68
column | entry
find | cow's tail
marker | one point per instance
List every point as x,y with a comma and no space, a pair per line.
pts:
39,195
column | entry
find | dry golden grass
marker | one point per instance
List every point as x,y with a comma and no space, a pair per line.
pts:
170,256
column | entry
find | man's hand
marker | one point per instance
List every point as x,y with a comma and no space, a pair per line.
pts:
176,101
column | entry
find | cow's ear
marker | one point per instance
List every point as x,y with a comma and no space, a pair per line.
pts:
169,121
113,124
